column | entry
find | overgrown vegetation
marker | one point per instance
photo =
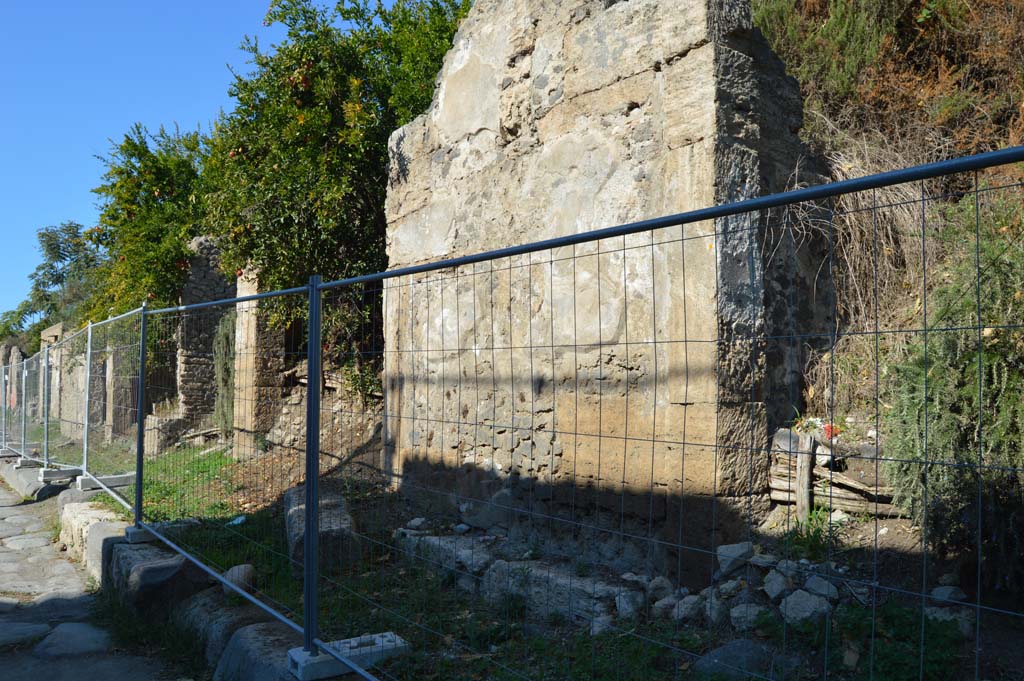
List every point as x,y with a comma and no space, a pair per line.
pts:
810,539
916,71
152,207
887,644
299,169
956,427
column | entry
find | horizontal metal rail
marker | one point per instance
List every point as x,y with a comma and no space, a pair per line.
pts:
231,301
123,315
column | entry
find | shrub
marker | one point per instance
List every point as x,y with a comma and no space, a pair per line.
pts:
956,429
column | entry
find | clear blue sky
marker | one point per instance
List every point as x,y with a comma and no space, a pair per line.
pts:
76,74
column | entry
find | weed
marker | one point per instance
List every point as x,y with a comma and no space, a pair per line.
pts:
53,528
810,539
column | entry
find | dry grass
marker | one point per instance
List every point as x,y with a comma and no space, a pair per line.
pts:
882,242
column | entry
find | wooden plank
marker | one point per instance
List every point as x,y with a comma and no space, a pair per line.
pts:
804,469
817,489
848,505
837,479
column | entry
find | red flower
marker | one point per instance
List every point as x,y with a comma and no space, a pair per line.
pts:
832,431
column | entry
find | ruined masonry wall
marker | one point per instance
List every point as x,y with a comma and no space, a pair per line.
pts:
563,370
195,369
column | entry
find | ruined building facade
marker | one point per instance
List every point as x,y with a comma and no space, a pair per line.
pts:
633,376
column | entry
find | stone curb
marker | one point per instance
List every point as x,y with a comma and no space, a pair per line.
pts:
25,481
242,643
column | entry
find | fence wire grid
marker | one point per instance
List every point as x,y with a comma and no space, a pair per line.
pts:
776,439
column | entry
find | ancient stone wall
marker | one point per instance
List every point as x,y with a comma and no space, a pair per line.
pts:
625,375
195,361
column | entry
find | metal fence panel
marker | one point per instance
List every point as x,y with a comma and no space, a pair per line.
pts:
222,457
67,397
694,446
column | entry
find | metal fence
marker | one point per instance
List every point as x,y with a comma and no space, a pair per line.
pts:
693,446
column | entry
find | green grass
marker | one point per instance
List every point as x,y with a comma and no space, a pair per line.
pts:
186,482
893,654
896,653
105,458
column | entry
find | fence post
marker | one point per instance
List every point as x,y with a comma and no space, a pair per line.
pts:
24,409
804,480
311,557
88,390
140,414
3,413
46,406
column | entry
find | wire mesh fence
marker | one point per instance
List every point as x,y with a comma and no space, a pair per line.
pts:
112,373
777,439
15,403
67,398
221,454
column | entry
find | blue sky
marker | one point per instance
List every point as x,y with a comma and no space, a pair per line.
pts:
76,74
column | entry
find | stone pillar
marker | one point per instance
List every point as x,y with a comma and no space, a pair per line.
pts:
48,338
14,360
259,355
116,398
643,354
5,353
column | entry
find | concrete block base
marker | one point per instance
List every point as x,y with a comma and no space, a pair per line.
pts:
26,463
51,474
138,535
363,651
84,483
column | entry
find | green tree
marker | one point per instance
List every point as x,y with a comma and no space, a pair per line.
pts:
298,170
152,206
61,285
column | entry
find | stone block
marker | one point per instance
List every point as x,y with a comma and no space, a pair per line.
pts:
800,607
153,579
463,554
15,633
76,521
548,589
732,557
73,639
74,496
337,538
214,621
100,539
258,652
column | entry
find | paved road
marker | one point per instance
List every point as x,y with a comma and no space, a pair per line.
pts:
45,634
